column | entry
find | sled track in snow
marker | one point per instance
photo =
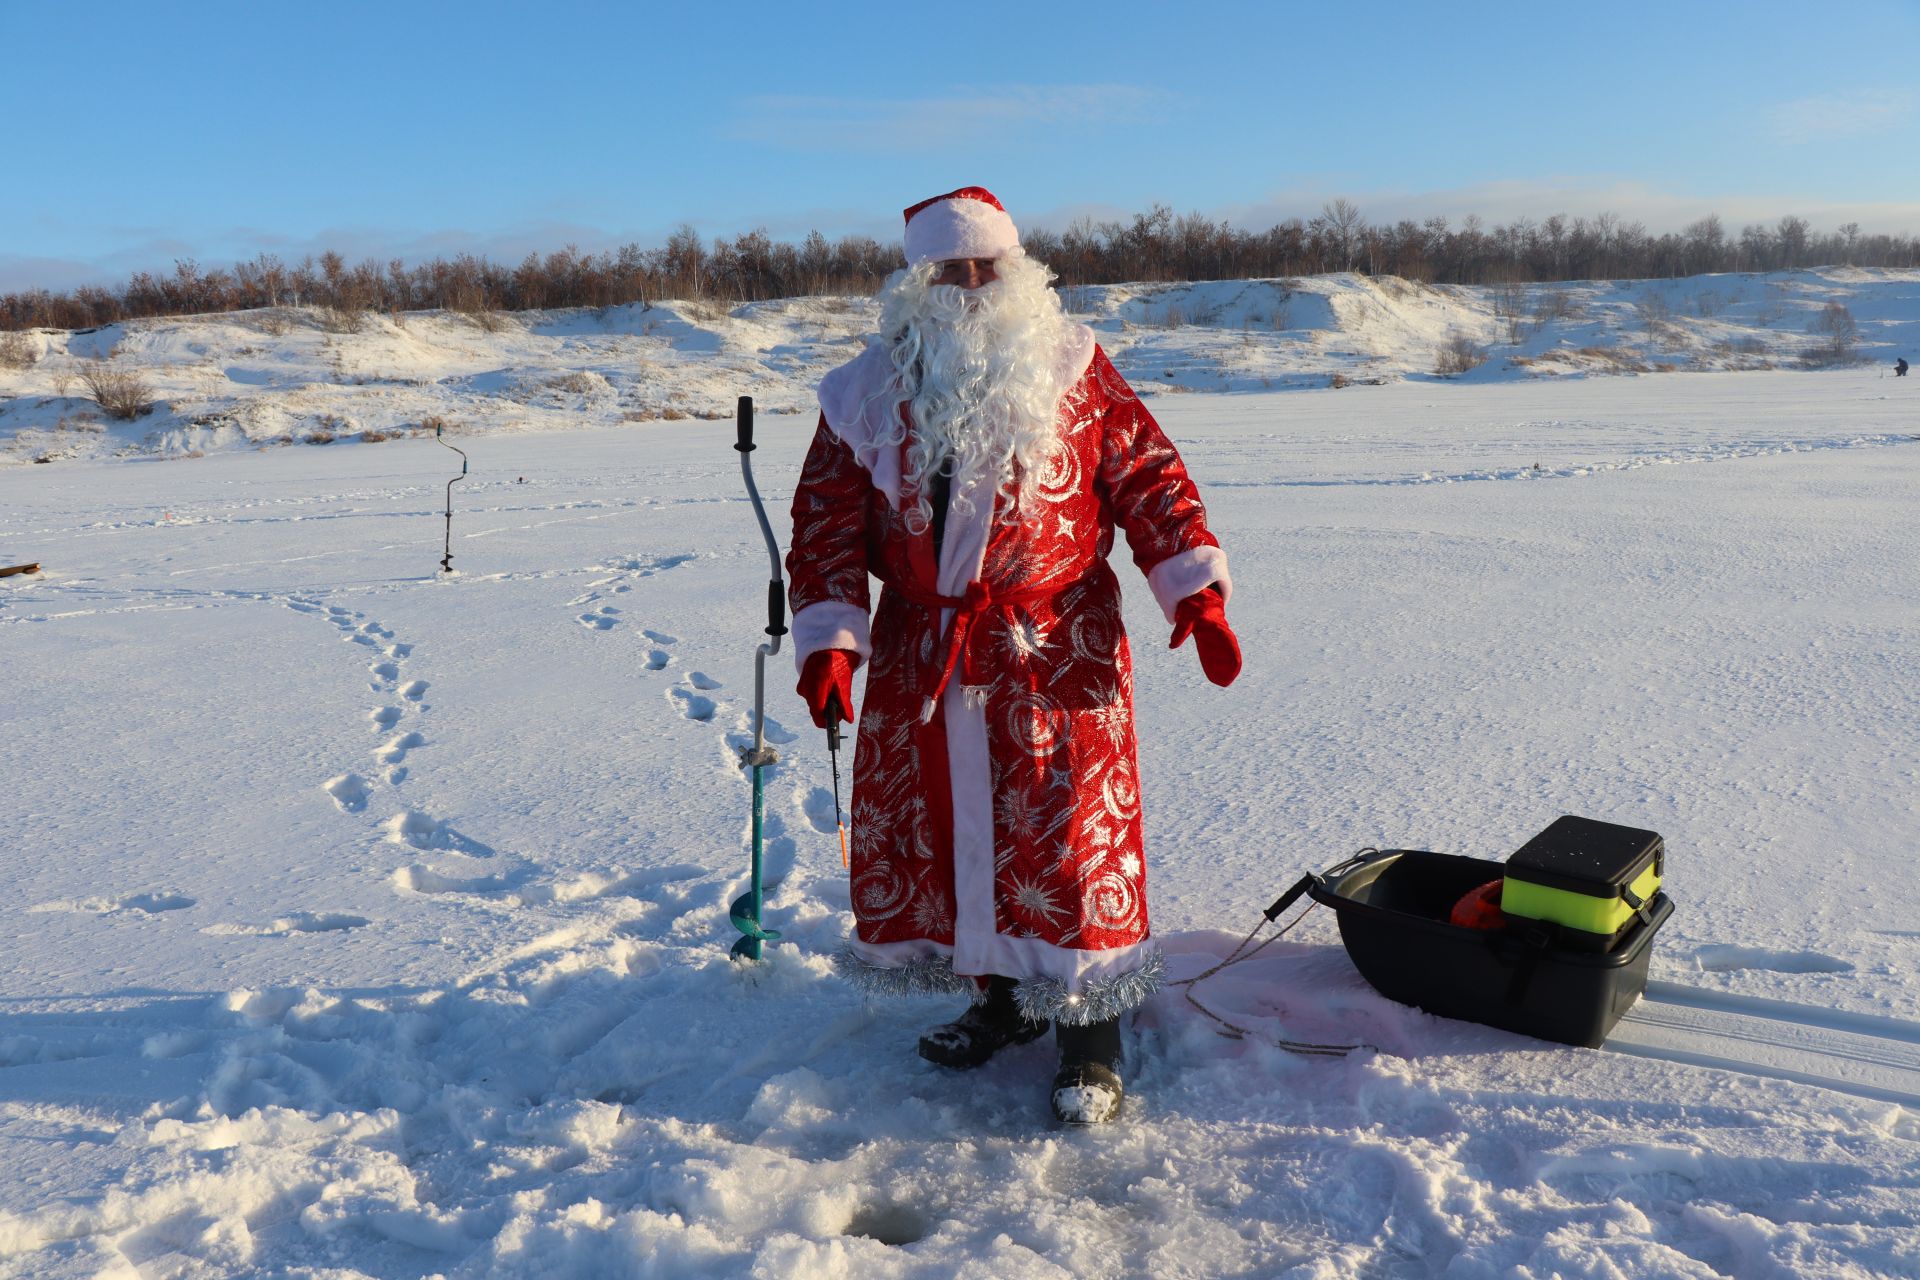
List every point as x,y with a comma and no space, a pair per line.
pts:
1855,1053
1731,451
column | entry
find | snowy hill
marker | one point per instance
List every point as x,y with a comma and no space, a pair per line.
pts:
368,923
254,379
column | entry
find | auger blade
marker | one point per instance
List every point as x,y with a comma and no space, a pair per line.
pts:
741,913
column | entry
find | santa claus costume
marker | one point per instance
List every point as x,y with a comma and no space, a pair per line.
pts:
977,458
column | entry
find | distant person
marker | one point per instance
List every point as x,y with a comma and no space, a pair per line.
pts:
977,458
1900,367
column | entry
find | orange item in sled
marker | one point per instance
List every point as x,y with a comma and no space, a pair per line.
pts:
1479,909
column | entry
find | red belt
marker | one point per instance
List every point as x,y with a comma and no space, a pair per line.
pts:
967,608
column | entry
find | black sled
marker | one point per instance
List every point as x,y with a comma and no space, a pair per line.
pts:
1393,907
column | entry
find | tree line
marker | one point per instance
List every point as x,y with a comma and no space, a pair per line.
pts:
1158,245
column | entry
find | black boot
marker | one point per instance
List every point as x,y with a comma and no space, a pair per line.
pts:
1088,1089
982,1031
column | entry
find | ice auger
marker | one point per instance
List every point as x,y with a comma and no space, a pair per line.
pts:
446,561
745,911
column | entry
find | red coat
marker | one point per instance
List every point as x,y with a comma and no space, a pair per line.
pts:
999,831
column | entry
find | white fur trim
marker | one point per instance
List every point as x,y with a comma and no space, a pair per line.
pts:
960,227
860,401
1041,968
1179,576
829,624
1076,353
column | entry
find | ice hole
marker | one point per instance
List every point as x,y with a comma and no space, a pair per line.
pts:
887,1223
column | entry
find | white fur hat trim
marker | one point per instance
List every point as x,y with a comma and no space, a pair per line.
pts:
968,223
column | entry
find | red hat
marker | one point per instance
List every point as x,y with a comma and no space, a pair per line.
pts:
968,223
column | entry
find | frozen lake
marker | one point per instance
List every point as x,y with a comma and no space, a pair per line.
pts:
370,922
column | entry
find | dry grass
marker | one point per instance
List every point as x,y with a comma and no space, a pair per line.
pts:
1614,359
673,414
1339,380
576,383
489,320
341,319
121,393
17,352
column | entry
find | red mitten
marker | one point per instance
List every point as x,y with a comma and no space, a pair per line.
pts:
829,672
1203,615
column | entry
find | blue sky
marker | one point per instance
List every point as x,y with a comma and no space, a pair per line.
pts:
140,132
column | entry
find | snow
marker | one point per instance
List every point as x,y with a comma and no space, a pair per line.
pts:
367,921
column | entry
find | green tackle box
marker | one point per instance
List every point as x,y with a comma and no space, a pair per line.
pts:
1594,879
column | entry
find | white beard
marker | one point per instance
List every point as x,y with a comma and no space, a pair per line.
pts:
981,370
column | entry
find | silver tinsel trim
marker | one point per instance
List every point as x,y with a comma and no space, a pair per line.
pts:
1048,1000
933,976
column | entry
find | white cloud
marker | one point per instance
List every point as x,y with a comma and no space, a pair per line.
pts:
1842,115
968,116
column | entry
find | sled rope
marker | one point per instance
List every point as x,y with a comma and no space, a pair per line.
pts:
1247,950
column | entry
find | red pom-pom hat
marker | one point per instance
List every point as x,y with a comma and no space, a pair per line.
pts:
968,223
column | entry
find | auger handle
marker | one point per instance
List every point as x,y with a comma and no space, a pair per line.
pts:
776,581
743,417
776,608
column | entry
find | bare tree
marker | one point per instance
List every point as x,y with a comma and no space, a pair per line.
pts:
1342,219
1839,332
1791,235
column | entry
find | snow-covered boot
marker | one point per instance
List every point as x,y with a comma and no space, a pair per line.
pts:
982,1031
1087,1089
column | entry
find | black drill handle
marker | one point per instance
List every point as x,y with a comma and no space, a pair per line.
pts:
776,606
743,415
835,714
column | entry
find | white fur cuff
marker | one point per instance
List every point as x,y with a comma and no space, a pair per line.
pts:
1179,576
829,624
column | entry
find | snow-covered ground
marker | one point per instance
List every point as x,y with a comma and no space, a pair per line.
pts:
259,379
368,922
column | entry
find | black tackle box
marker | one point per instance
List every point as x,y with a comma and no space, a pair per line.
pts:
1591,878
